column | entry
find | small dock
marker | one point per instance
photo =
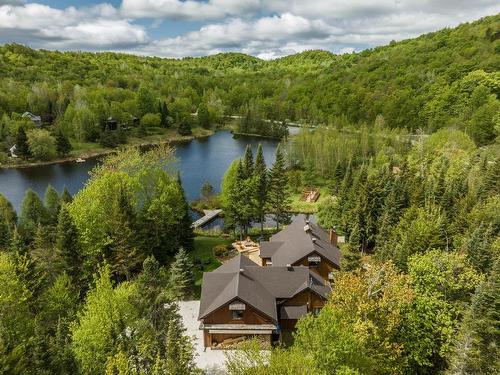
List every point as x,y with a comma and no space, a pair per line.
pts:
209,216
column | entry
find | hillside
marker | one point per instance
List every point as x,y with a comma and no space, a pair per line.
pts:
446,78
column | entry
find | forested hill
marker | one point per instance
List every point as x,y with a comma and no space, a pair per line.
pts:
449,77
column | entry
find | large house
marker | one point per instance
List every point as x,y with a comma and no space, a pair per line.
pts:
242,298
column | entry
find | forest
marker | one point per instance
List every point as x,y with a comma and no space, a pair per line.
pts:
418,291
88,283
405,143
440,79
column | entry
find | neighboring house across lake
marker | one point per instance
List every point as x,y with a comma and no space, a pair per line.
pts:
242,298
37,120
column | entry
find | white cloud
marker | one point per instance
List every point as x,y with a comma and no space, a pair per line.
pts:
260,37
267,29
189,9
93,27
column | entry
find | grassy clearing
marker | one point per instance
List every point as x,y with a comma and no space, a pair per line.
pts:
300,206
204,259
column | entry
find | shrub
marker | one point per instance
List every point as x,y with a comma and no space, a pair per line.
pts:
221,250
151,120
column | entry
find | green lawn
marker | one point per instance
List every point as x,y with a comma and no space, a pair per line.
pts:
203,258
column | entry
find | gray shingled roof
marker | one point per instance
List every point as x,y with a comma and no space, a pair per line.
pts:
293,312
228,283
242,279
267,248
296,244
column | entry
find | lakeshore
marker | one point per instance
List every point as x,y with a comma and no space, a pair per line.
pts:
93,150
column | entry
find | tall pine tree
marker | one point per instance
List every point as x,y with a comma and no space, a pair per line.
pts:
63,145
261,179
67,244
125,254
22,148
477,349
278,194
33,212
248,162
181,279
52,204
66,196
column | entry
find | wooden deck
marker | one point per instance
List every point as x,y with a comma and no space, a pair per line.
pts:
209,216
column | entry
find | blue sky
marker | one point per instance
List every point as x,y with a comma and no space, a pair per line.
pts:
266,29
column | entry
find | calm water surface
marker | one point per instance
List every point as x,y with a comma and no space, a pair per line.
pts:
199,160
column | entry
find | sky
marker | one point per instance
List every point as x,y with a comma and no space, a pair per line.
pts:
265,29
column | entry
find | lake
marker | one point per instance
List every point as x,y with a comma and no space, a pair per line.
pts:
200,160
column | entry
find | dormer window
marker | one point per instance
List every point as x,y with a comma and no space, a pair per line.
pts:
237,309
313,261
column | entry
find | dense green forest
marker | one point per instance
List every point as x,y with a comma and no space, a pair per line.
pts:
418,292
90,282
445,78
406,145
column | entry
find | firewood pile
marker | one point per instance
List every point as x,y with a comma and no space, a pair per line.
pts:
228,343
232,343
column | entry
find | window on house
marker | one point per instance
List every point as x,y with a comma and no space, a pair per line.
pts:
314,261
316,311
237,314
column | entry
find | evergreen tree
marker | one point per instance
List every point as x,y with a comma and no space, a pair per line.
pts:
185,126
66,196
33,212
52,204
203,116
261,179
8,221
163,110
242,200
43,254
248,162
338,176
351,251
5,233
125,255
278,195
63,145
178,351
67,244
22,147
207,191
477,350
181,279
7,211
17,245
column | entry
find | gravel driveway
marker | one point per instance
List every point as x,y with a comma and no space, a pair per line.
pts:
211,361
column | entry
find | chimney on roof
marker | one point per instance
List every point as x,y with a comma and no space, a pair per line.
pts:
334,237
314,239
289,267
307,228
242,270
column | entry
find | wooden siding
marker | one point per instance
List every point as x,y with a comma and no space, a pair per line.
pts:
306,297
323,268
288,323
223,316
